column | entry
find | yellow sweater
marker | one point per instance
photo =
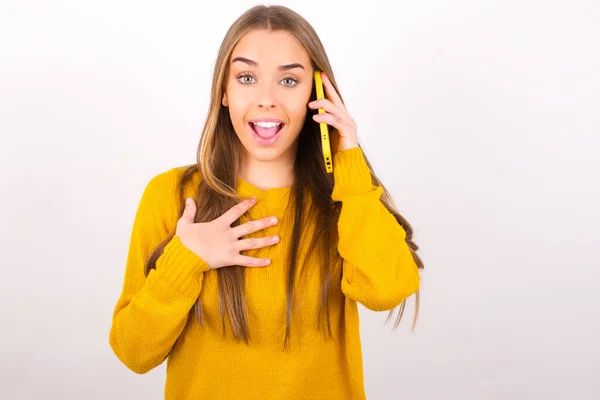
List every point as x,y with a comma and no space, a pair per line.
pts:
154,316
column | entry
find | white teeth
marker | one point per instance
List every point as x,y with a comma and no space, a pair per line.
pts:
267,124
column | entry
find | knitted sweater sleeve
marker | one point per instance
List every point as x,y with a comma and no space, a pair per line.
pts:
152,311
378,269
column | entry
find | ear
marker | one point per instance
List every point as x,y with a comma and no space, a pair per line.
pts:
224,100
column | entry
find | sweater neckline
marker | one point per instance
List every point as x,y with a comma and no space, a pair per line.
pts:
247,189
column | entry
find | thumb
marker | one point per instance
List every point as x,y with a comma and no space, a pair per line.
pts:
189,212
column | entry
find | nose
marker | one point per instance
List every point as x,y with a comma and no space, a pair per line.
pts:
266,104
266,96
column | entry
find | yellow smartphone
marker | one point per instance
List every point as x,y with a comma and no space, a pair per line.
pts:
324,128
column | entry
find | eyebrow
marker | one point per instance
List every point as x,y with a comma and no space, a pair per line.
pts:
253,63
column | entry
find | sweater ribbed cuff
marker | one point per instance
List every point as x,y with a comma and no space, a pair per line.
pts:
181,267
351,173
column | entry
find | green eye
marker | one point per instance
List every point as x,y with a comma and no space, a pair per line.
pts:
246,79
241,79
293,81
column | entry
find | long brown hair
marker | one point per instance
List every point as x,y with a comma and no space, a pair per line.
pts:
216,191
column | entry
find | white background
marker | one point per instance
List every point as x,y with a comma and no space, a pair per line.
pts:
481,117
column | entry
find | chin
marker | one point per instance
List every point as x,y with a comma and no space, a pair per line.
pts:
264,155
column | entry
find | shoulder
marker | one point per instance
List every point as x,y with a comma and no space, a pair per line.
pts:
163,191
168,181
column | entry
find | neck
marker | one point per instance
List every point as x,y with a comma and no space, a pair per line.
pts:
278,173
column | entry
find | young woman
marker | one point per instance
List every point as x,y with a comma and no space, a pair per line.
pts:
245,269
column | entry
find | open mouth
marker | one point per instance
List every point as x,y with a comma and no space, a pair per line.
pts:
266,133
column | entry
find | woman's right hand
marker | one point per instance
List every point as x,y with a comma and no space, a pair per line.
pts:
217,243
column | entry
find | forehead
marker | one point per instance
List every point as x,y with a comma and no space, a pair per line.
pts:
271,48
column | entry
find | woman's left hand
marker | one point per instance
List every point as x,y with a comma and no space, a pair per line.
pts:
336,115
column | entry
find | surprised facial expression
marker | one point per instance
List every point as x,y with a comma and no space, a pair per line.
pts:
267,92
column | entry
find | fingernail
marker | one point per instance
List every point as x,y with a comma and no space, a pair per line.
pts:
275,238
267,261
274,220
